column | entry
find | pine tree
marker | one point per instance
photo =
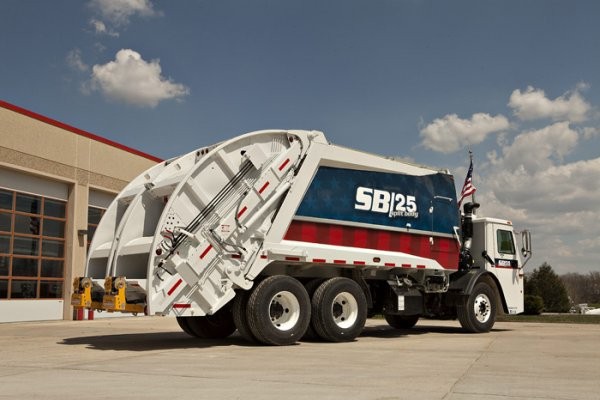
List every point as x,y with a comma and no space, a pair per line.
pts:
544,282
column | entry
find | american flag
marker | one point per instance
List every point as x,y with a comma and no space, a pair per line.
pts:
468,188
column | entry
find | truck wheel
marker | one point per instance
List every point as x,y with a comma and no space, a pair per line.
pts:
339,310
217,326
477,313
401,321
239,315
183,324
311,287
278,310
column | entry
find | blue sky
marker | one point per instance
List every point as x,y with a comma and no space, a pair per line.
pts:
517,81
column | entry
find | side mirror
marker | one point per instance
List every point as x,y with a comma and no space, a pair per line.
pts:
526,250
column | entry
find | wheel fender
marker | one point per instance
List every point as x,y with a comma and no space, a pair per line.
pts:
463,282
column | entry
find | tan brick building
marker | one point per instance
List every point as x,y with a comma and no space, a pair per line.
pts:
55,182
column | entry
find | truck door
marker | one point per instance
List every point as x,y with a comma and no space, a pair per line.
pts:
507,266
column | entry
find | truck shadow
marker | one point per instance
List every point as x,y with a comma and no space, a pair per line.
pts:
180,340
153,341
385,331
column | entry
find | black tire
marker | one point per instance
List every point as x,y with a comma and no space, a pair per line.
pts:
183,324
239,315
401,321
217,326
278,311
311,286
477,313
339,310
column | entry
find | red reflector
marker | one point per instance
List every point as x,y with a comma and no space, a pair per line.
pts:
292,258
319,260
262,189
405,265
359,263
339,261
282,166
178,305
263,257
390,264
175,286
421,266
205,252
242,211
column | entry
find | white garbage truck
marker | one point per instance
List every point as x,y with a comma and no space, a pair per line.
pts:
281,235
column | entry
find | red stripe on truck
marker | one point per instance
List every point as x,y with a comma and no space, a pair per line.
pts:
242,211
264,187
175,286
282,166
205,252
444,249
180,305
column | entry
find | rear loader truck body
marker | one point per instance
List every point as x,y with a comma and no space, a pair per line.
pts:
282,235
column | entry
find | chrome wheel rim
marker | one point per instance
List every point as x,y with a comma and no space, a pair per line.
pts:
284,310
344,310
482,308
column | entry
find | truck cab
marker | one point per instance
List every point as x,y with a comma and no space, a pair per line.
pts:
494,249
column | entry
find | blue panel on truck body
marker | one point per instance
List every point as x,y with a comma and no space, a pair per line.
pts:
380,198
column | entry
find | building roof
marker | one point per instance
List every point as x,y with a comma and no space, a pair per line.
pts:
75,130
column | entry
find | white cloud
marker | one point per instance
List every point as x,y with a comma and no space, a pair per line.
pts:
535,150
132,80
538,178
75,61
533,104
591,244
451,133
529,182
118,12
572,187
100,28
590,132
530,172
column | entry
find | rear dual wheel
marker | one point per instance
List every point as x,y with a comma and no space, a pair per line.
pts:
401,321
278,311
311,287
339,310
217,326
240,318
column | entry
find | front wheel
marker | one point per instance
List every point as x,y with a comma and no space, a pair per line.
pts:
477,313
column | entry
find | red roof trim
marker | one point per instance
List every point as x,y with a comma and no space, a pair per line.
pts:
77,131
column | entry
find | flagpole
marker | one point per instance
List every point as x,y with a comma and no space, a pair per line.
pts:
471,163
468,188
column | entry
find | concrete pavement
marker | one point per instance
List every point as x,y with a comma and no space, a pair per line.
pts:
150,358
